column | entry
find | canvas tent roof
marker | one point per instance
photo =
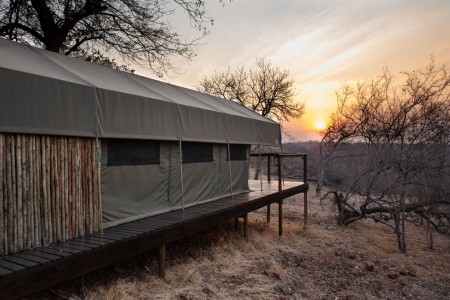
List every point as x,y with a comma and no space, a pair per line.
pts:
47,93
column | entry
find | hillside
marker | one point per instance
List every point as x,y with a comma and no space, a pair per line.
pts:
322,262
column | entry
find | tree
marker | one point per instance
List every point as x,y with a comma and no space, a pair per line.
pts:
396,141
99,58
266,90
134,30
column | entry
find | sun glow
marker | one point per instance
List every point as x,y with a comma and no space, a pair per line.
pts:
320,125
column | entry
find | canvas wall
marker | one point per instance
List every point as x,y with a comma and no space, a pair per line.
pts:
131,192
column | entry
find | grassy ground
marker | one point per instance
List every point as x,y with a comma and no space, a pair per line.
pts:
324,261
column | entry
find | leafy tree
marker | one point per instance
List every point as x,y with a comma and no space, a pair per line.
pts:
267,89
135,30
395,139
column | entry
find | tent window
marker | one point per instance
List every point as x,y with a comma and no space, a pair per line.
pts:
197,152
238,152
123,152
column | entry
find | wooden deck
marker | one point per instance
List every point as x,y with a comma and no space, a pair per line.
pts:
30,271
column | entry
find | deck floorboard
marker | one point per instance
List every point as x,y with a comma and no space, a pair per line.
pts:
44,255
37,259
5,272
21,261
53,252
11,266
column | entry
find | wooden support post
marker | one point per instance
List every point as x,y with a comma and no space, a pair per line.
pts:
280,218
305,194
268,168
245,227
305,168
162,261
236,223
279,173
305,209
268,213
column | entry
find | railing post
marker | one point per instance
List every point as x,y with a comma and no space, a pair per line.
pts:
268,168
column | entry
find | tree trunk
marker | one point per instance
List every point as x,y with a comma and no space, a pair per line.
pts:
403,218
429,231
320,175
257,171
258,164
399,223
397,229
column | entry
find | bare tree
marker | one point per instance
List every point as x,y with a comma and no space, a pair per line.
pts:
267,89
137,31
404,137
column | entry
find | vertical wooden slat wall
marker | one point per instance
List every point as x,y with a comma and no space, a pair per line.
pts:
49,190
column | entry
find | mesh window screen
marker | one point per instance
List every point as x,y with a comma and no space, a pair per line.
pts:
238,152
197,152
123,152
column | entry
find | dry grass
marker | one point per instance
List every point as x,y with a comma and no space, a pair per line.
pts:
324,261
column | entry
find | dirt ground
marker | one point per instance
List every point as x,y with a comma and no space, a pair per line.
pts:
323,261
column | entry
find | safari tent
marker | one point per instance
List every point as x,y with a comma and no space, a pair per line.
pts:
84,147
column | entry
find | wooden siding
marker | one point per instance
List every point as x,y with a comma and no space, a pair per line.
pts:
49,190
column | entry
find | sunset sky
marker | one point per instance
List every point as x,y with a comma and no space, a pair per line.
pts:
322,43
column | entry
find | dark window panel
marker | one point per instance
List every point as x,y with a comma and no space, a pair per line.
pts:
197,152
237,152
124,152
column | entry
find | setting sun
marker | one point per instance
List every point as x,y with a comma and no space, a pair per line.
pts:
320,125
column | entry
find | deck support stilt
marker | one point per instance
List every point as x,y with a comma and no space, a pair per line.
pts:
268,213
305,193
236,223
162,261
245,227
280,179
305,209
280,218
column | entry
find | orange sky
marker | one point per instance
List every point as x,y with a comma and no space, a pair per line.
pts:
322,43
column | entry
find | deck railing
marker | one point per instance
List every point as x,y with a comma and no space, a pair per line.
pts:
280,157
